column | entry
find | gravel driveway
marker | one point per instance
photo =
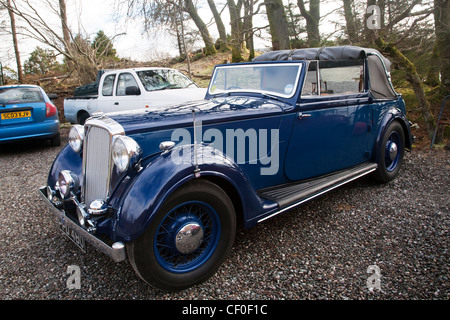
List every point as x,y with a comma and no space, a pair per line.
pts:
321,250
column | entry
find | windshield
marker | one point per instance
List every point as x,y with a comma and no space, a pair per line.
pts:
160,79
277,79
20,95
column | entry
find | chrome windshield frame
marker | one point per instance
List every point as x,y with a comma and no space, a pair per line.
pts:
215,93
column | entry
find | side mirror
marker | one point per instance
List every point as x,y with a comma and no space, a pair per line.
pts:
132,91
52,96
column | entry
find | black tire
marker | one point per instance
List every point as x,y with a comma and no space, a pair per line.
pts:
391,152
83,117
56,140
201,204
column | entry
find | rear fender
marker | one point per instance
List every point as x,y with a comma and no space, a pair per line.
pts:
393,114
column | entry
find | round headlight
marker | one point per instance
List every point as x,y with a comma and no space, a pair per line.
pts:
125,152
67,182
76,136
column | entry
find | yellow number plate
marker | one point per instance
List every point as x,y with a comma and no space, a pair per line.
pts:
16,115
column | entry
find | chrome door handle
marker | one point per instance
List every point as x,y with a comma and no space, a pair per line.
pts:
303,115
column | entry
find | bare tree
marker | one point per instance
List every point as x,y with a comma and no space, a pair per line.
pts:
12,19
312,17
278,24
236,32
248,27
223,42
388,39
350,19
207,39
76,49
64,24
442,31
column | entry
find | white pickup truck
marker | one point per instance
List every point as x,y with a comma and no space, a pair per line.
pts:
128,89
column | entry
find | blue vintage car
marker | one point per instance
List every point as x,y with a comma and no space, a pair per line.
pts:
26,112
166,187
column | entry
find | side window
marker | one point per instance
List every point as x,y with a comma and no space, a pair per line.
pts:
125,80
310,87
341,77
108,85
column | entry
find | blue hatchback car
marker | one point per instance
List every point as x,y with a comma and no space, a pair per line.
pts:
26,112
166,187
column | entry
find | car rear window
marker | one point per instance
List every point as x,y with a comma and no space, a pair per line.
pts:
20,95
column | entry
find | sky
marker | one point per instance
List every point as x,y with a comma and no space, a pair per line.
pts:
90,16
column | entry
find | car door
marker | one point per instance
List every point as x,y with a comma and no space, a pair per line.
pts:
331,129
126,99
107,99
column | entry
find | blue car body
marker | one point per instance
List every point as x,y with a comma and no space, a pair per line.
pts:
27,113
277,151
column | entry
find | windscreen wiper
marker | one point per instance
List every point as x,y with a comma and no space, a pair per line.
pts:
269,96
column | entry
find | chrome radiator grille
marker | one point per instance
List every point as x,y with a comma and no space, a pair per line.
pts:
97,164
97,161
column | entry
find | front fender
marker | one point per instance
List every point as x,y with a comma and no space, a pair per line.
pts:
67,159
154,184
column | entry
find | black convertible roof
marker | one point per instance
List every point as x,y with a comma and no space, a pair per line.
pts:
379,66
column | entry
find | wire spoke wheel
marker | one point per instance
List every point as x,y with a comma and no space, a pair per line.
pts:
187,236
187,239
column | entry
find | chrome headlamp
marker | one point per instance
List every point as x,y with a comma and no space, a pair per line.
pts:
76,137
67,182
126,153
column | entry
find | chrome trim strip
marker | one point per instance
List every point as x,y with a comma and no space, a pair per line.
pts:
116,252
317,194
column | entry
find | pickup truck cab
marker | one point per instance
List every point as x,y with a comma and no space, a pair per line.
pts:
166,187
127,89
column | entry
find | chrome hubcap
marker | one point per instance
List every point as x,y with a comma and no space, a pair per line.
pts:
393,151
189,238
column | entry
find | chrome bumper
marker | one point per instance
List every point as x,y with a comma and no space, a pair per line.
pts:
116,252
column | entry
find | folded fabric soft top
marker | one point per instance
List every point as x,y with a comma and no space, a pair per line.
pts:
379,66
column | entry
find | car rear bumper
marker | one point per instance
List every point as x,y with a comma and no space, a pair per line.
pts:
41,130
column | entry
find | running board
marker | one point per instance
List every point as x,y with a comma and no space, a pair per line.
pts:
293,194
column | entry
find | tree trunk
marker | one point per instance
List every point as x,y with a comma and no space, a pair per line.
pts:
369,35
248,28
236,36
66,33
350,21
64,25
183,40
278,24
414,79
312,18
223,43
207,39
442,30
15,42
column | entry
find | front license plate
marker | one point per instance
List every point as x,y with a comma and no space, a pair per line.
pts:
16,115
74,236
